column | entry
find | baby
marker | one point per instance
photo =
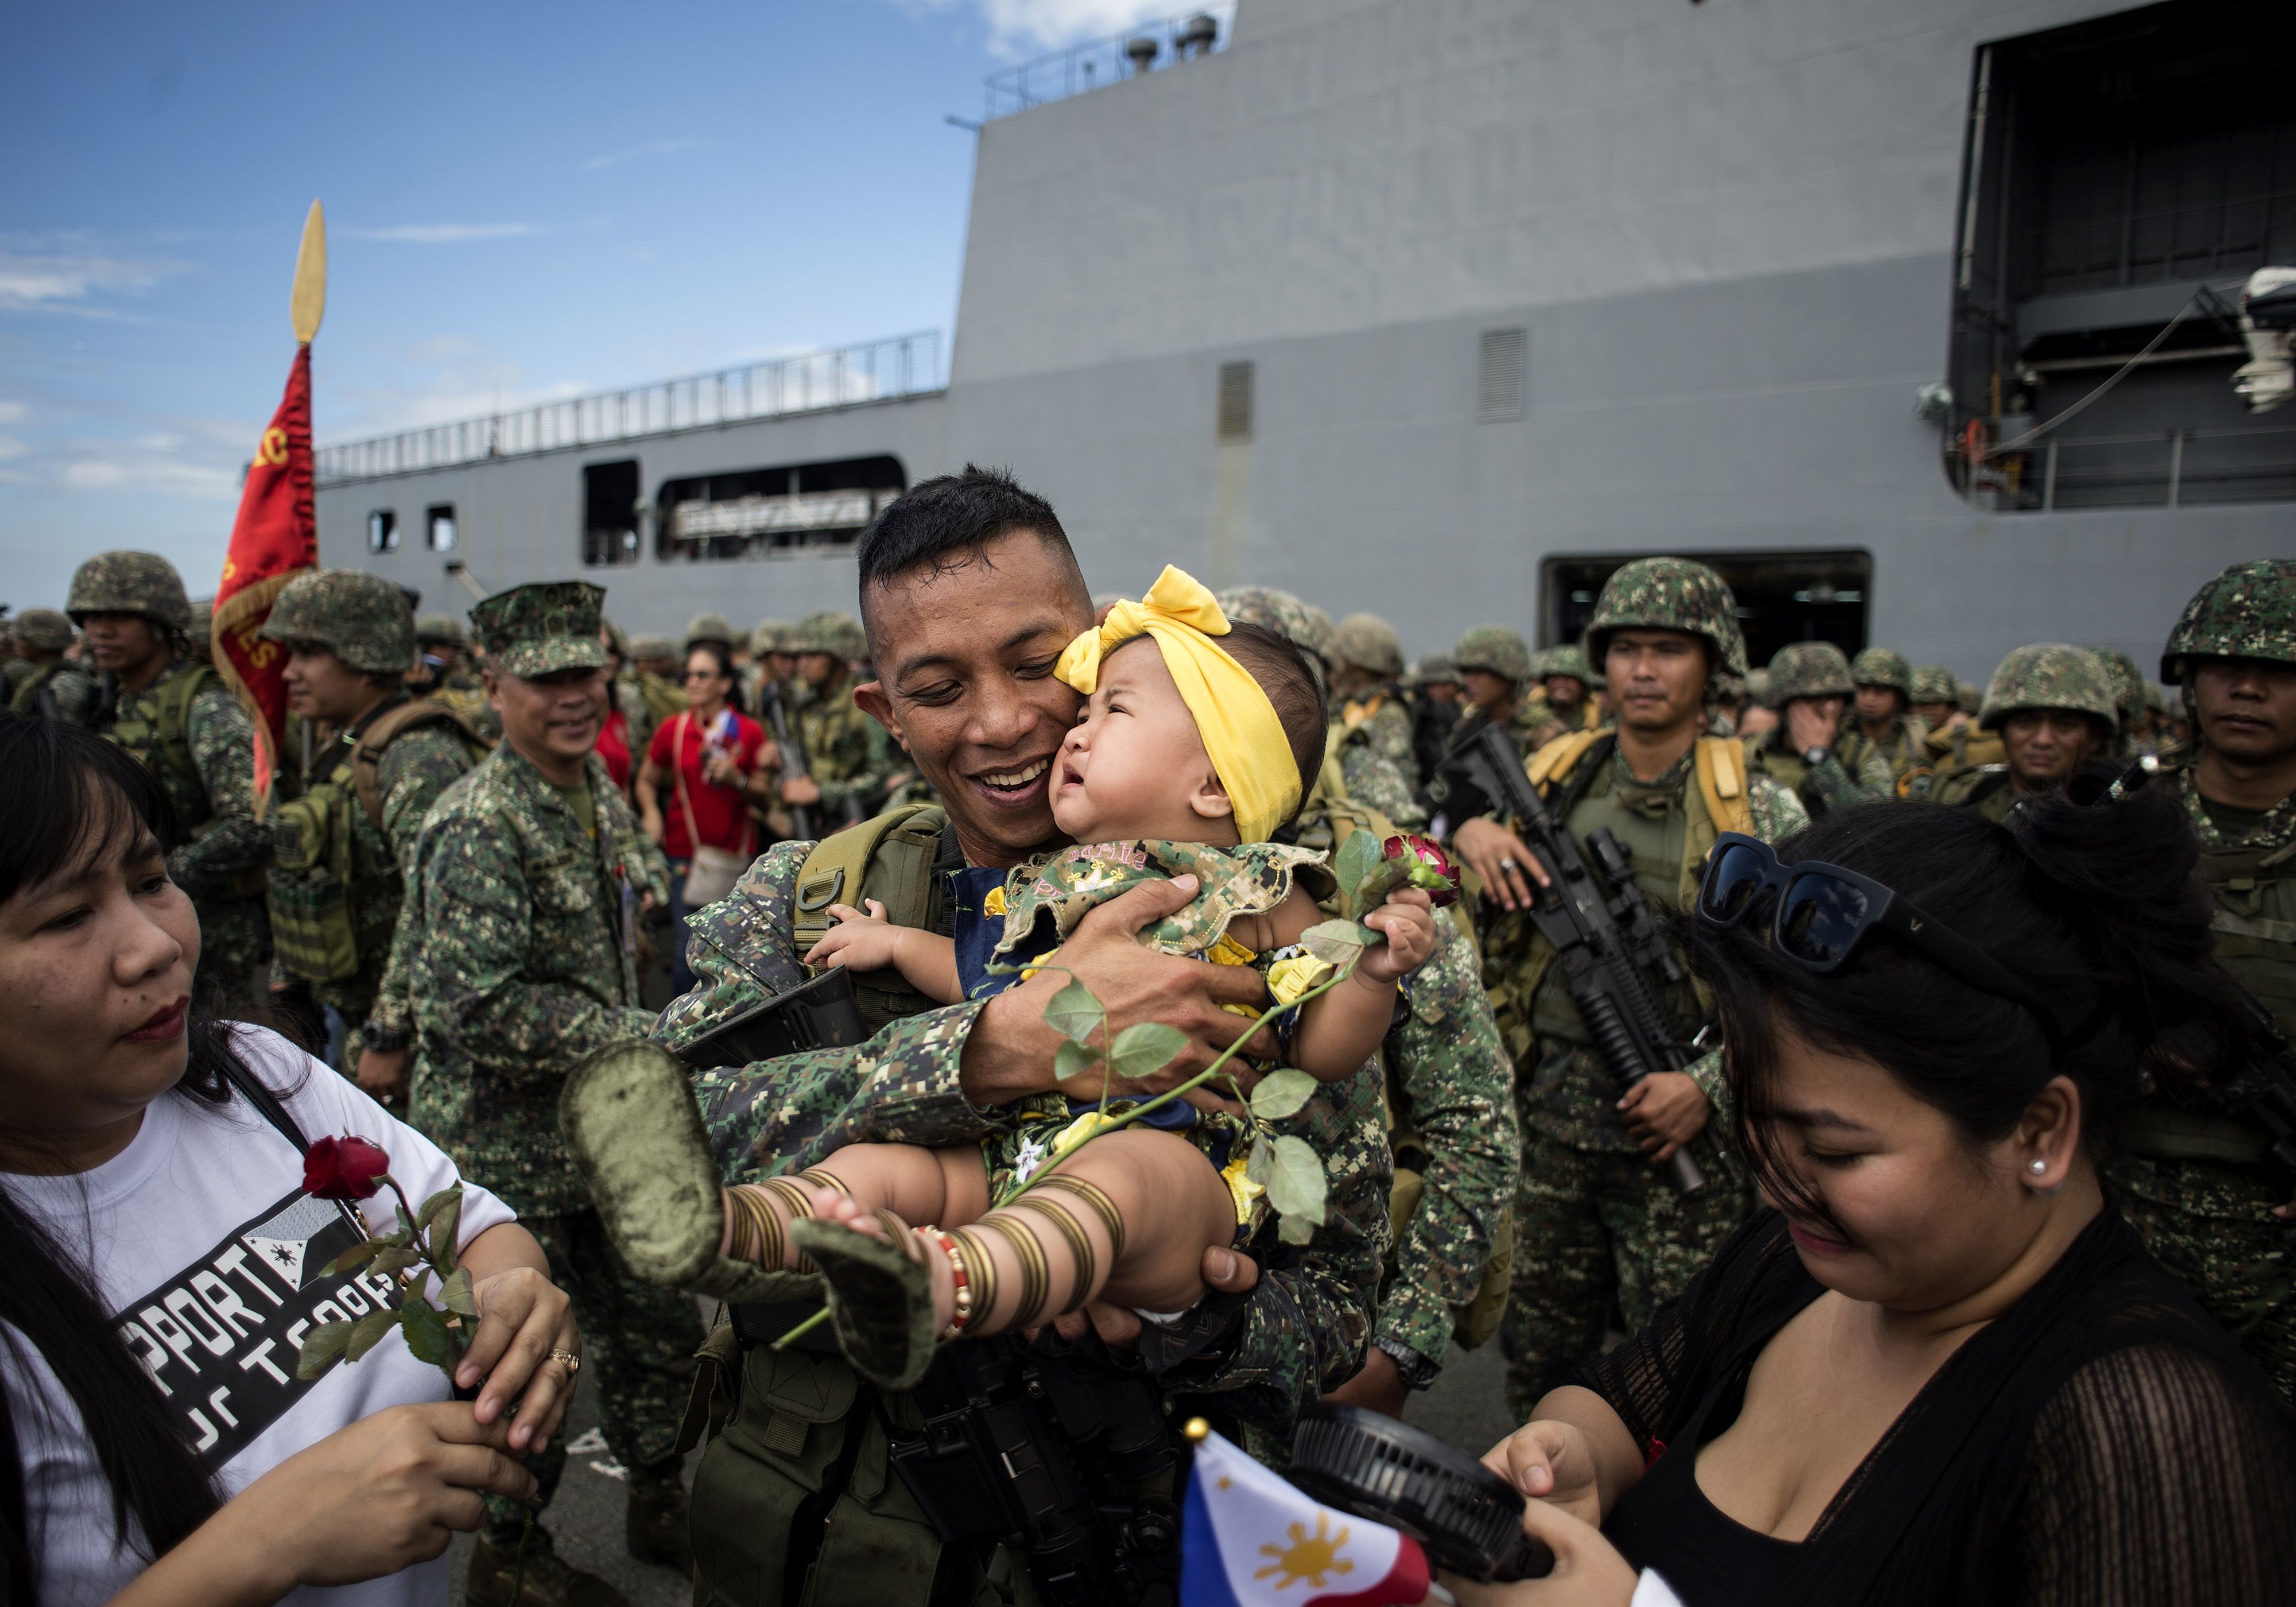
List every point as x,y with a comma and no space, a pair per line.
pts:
1193,749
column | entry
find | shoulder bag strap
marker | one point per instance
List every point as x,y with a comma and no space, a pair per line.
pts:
677,769
265,1103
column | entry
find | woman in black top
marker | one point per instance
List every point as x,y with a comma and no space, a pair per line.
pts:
1940,1368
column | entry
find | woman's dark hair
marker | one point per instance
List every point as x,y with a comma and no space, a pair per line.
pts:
68,797
2096,908
719,653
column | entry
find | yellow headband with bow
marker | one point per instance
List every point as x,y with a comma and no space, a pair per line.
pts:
1240,731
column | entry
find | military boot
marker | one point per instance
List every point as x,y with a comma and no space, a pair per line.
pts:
550,1581
656,1520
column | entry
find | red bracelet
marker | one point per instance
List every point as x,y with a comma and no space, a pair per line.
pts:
964,1277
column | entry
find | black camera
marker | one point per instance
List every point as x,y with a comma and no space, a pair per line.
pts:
1467,1518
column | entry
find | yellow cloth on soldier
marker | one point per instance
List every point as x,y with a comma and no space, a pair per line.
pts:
1240,731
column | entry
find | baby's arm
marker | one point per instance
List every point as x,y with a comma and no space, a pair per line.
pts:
870,942
1343,1028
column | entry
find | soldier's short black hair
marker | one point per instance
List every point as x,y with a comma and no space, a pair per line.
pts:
947,523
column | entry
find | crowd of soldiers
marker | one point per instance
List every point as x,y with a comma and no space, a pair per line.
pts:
452,890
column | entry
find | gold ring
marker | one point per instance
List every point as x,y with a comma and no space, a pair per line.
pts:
570,1361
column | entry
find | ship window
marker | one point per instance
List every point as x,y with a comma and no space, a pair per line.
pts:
438,523
2123,175
1235,401
775,513
1499,377
610,511
382,531
1781,597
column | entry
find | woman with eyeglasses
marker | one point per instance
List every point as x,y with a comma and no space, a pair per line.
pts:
1940,1367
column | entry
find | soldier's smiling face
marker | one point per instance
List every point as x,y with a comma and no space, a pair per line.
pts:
965,649
552,720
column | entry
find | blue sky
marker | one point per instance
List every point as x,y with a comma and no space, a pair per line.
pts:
523,201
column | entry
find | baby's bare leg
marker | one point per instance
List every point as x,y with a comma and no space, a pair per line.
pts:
916,1184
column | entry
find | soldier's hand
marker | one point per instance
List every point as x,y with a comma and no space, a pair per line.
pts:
801,789
383,1075
522,1318
1500,861
1664,1111
1813,723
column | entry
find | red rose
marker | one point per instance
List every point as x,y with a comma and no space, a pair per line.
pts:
1435,874
344,1168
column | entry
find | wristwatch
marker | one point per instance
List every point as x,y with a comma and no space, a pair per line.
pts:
1418,1371
1815,756
380,1039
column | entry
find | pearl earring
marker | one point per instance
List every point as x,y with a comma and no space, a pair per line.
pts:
2037,1166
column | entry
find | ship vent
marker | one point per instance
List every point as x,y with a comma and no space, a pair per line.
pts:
1499,380
1235,401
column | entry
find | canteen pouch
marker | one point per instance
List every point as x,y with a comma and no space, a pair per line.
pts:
309,890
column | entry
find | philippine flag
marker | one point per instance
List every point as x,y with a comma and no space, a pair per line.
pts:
1250,1539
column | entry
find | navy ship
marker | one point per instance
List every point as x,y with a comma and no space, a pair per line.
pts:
1943,325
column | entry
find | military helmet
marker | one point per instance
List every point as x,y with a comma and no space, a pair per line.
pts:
617,639
130,583
1884,667
2049,675
653,647
1494,649
1931,684
1808,669
2247,612
830,631
1668,594
43,630
1368,642
2156,697
1271,608
2128,682
362,618
442,628
1568,659
1319,631
769,637
1435,666
707,627
1968,697
1758,685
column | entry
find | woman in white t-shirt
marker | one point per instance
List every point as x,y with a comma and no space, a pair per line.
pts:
159,1261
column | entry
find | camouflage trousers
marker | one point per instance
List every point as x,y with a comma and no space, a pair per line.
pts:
640,1338
2210,1223
1594,1229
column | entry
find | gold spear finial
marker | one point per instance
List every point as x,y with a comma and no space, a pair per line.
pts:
308,300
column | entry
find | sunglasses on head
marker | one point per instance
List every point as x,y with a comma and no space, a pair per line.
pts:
1823,912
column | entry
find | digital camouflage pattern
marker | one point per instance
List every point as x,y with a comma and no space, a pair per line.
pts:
2249,612
1280,611
2127,683
832,631
1380,720
539,629
1884,667
1304,1329
848,754
1369,643
1932,683
706,626
649,647
771,635
1373,776
1494,649
1568,659
61,690
1808,669
130,583
1668,594
1593,1218
1902,749
1317,639
42,629
362,618
443,629
1069,884
2049,675
1435,669
1830,783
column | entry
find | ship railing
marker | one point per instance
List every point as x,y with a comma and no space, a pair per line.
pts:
1098,62
2174,468
812,382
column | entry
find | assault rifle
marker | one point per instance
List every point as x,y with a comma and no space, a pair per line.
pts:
792,750
1613,950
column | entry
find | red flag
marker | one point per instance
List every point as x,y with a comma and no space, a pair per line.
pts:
276,539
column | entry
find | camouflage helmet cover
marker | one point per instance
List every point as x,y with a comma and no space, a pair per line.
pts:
830,631
539,629
1668,594
1435,666
2249,612
2128,682
1758,684
1271,610
362,618
706,626
1884,667
43,630
1319,631
1368,642
1931,683
2049,675
130,583
1569,660
1494,649
1808,669
652,647
442,628
770,635
617,639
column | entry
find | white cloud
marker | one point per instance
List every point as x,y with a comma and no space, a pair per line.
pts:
14,413
152,472
656,148
1019,26
445,233
10,446
74,282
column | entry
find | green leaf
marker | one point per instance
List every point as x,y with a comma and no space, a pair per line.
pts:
1262,1165
1145,1048
436,1204
1075,1014
1359,857
367,1331
426,1333
1295,1183
356,1256
1294,1230
456,1293
322,1346
1074,1059
1337,943
392,1260
1282,1091
1371,892
443,1228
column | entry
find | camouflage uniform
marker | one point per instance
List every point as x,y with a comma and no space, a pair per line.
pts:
1500,652
521,927
1903,747
1568,659
1817,669
661,699
2128,682
848,754
207,768
2046,675
60,689
2194,1182
1376,718
1594,1222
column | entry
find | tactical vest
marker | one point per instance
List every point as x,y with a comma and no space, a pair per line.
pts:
33,697
155,727
321,872
892,858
